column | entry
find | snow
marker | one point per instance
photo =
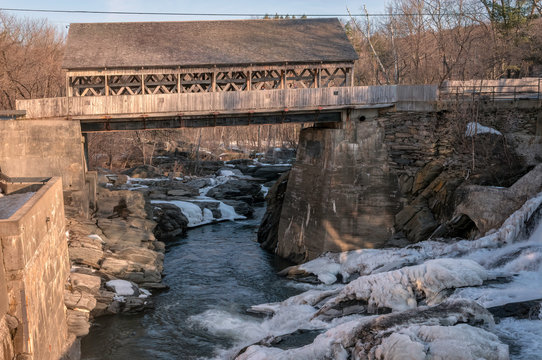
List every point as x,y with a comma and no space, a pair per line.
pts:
264,190
96,237
399,289
122,287
226,172
198,217
442,342
474,128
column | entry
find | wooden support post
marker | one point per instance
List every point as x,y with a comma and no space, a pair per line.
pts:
249,81
106,85
142,84
282,79
315,79
318,77
69,89
213,81
179,83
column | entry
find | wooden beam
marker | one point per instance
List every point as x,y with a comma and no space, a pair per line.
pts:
213,82
249,81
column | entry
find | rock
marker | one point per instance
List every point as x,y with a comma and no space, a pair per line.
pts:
237,190
269,227
78,322
127,233
135,264
122,204
426,175
241,207
85,283
199,183
211,205
183,190
171,222
520,310
270,173
143,171
420,226
79,300
488,207
86,256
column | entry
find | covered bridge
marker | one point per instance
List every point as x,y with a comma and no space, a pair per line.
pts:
206,56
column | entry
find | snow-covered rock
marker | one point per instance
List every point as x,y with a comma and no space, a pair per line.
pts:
403,289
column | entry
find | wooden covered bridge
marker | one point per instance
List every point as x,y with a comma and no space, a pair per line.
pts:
145,75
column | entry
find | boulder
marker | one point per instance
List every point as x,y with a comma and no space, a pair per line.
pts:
171,222
79,300
270,173
237,190
85,283
241,207
127,233
184,191
143,171
426,175
78,322
121,204
488,206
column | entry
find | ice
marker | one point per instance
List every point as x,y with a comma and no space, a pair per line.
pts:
96,237
193,212
122,287
228,212
474,128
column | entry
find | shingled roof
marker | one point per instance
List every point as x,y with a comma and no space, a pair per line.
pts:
205,43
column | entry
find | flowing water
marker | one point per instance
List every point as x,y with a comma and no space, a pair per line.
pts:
215,273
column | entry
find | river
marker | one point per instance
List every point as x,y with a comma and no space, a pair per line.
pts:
215,273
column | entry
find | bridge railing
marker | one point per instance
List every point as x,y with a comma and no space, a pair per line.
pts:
494,90
406,97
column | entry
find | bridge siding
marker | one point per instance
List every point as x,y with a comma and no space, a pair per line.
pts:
267,100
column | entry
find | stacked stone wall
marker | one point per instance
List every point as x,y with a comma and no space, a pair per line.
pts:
36,266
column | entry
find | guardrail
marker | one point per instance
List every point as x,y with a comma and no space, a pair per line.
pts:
493,90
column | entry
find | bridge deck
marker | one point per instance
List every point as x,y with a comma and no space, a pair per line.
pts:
225,108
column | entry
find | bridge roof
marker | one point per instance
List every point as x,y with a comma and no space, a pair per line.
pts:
206,43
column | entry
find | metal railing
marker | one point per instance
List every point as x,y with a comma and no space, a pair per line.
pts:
493,91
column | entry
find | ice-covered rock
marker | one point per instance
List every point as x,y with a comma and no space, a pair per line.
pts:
403,289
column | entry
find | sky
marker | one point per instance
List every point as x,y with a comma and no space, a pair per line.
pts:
184,6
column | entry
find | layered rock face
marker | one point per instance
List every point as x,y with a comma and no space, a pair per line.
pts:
117,245
400,178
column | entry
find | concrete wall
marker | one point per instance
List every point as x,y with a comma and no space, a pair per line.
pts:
341,194
36,266
45,148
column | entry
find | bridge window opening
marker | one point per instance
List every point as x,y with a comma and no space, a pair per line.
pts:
88,85
266,79
125,84
161,84
196,82
362,118
231,81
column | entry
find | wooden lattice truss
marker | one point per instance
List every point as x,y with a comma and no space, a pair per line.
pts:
170,81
